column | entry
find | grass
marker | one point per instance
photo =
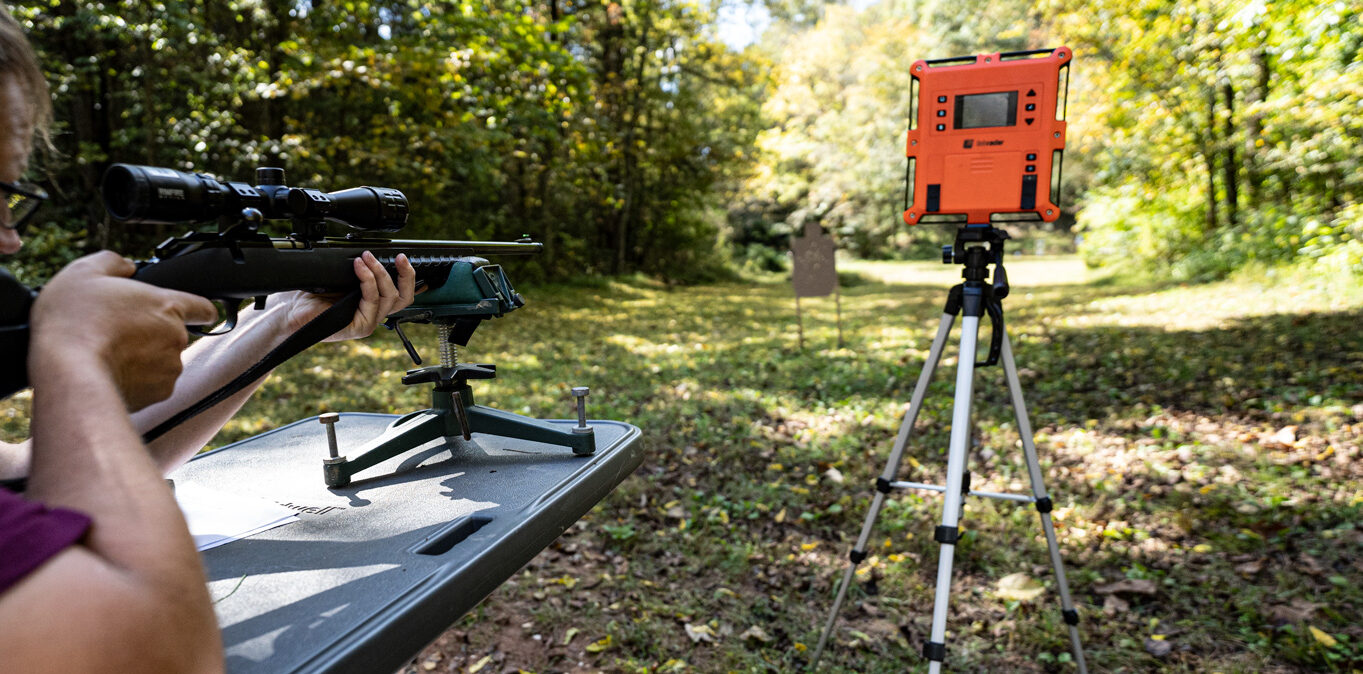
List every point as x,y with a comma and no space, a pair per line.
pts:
1201,442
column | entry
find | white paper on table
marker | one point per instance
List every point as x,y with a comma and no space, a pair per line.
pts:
216,518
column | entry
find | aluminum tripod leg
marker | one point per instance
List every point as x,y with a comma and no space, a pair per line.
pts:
891,472
947,533
1043,501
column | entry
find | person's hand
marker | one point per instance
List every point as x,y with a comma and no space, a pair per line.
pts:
379,297
92,316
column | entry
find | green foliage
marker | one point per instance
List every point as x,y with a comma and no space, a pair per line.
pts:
608,131
1249,109
1203,136
1131,222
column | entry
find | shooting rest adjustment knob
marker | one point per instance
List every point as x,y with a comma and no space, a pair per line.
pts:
329,420
580,393
444,375
947,257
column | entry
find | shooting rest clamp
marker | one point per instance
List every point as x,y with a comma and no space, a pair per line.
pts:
481,291
452,414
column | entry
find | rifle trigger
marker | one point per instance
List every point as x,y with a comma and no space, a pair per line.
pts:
396,326
229,310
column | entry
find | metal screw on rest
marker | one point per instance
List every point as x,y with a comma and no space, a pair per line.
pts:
329,420
580,392
333,467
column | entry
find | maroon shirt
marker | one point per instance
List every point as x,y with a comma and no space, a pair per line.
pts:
31,533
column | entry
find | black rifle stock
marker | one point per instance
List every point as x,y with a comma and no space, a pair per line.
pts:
233,267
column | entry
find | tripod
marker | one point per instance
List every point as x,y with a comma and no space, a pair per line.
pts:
977,247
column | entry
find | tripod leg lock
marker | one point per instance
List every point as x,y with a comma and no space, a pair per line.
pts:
883,485
935,651
1071,616
1044,505
857,556
947,535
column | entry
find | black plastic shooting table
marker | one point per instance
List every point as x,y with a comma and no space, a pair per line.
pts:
374,571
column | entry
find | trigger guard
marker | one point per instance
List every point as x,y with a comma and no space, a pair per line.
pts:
230,312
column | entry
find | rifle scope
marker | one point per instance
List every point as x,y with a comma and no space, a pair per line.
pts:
160,196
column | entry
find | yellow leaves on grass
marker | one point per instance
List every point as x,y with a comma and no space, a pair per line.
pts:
1018,587
1322,638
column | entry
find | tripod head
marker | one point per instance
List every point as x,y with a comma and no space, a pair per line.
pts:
977,247
977,258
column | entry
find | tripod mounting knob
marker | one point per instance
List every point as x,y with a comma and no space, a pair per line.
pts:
947,257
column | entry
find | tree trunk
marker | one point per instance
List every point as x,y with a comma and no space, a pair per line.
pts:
1254,131
89,126
272,108
546,214
1229,166
1209,152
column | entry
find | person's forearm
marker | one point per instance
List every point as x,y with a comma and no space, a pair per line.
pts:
87,457
210,363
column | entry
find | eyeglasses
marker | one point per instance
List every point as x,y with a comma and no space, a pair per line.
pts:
23,199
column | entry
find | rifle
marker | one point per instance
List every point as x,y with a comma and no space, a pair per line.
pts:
239,263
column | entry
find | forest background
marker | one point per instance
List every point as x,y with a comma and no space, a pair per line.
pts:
629,138
1202,437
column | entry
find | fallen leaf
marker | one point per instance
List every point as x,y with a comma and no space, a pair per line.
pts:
1128,586
1250,568
755,634
568,637
699,633
1114,605
1018,586
1285,438
833,475
1312,565
600,645
1325,639
859,639
1296,611
478,666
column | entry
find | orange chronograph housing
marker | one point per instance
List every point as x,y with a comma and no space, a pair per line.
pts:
987,138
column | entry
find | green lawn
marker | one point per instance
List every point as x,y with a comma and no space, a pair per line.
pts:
1202,441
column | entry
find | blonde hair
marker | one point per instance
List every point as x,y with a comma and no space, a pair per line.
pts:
18,60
